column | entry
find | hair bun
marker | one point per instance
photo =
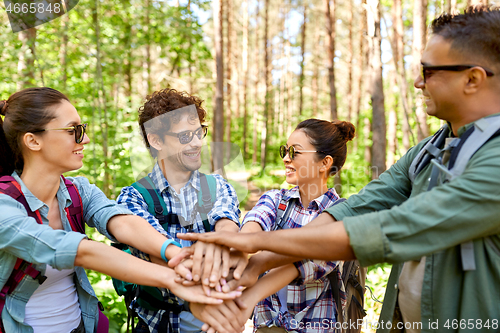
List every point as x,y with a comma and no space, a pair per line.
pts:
346,128
3,107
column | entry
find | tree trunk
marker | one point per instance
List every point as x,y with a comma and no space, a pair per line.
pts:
281,105
453,6
268,99
102,101
64,53
302,59
229,60
330,51
245,59
398,52
376,90
26,63
419,40
349,60
362,61
314,84
218,135
148,47
256,93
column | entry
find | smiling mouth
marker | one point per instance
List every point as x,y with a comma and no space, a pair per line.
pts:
289,170
193,155
79,152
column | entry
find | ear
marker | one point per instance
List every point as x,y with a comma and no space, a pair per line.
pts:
326,164
154,141
476,79
32,142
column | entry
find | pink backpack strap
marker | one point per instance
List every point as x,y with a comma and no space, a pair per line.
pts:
75,210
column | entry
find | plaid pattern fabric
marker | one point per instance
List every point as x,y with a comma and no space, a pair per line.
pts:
184,205
309,297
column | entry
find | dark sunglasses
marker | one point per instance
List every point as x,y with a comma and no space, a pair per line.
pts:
291,151
427,71
78,129
187,136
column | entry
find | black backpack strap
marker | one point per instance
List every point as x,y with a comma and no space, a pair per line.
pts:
284,209
206,198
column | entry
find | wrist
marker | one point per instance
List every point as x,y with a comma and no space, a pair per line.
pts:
166,243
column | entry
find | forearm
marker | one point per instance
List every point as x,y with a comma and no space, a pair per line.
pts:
120,265
138,233
266,260
329,242
225,224
270,284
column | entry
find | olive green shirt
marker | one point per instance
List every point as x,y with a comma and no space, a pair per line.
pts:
392,220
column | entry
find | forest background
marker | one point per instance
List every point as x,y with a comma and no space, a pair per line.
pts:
261,67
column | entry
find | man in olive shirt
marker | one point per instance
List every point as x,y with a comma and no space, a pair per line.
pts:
419,230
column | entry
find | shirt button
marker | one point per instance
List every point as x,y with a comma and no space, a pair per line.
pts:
396,286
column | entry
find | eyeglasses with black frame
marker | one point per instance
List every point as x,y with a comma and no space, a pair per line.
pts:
79,130
292,152
426,70
186,137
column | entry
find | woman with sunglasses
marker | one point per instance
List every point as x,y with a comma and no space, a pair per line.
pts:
41,137
315,151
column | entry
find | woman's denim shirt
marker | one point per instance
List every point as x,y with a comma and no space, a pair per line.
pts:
22,237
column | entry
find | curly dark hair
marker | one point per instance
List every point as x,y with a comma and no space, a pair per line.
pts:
474,34
162,102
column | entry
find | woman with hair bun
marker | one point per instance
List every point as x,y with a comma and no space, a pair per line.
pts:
314,152
42,137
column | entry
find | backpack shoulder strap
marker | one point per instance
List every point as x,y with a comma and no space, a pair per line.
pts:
284,209
430,150
484,129
206,198
75,210
156,205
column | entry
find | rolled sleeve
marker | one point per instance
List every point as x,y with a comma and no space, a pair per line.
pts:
21,236
366,239
264,212
226,205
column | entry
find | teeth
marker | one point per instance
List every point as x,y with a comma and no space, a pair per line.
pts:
78,152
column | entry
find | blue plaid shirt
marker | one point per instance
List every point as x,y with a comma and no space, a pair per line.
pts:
184,205
310,304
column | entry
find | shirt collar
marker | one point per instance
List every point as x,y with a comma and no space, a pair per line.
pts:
34,203
320,202
161,183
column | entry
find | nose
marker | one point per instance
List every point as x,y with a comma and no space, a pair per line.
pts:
419,82
86,139
287,159
196,142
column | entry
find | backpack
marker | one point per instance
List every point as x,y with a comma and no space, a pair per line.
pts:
460,151
347,280
9,186
151,298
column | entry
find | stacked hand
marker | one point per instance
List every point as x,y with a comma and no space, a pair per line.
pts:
217,269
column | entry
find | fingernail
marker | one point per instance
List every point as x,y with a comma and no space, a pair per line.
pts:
196,277
206,282
218,288
224,274
236,293
223,282
213,278
189,277
240,288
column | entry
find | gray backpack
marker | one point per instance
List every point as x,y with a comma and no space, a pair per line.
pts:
460,151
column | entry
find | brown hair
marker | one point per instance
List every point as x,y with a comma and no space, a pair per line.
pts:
329,138
164,101
25,111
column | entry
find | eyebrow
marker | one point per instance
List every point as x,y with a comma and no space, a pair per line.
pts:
296,145
72,123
